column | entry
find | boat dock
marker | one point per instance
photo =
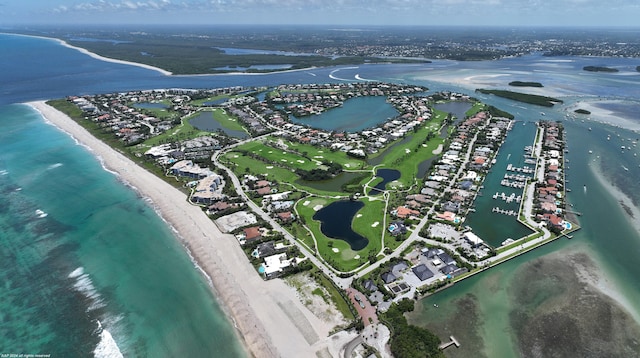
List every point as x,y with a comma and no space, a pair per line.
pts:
504,212
453,342
512,184
508,198
516,177
525,169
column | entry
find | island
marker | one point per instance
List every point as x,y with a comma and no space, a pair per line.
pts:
375,214
525,84
523,97
599,69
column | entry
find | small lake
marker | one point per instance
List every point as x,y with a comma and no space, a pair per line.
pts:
356,114
205,121
150,105
336,219
423,167
457,108
216,102
387,175
380,158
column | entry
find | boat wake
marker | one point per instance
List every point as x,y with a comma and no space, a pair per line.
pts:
333,77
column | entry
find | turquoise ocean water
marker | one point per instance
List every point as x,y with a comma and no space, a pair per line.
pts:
80,250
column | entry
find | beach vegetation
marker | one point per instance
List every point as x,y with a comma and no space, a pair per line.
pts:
582,111
409,341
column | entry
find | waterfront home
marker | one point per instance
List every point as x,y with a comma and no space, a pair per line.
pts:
422,272
209,190
449,269
187,168
447,215
473,239
265,249
446,259
274,265
252,233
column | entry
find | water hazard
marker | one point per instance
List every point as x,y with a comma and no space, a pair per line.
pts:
336,220
387,175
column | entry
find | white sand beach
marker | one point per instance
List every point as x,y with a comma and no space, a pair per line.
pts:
268,315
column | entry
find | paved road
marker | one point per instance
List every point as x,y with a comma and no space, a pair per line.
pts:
326,269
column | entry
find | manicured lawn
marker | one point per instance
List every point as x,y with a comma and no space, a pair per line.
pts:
243,164
257,167
406,158
321,154
183,131
279,156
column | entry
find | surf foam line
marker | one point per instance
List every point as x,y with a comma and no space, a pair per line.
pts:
107,347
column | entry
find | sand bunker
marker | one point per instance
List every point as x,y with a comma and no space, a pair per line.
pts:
306,203
375,224
318,207
335,250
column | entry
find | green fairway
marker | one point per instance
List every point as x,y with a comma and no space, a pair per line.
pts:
226,120
322,154
407,157
279,156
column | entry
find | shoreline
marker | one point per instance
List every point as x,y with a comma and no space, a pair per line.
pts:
258,309
150,67
95,55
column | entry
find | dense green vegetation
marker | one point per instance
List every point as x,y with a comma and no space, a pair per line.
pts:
408,341
599,69
523,97
582,111
197,55
496,112
525,84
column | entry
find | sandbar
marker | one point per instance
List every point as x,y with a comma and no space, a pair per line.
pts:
260,310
